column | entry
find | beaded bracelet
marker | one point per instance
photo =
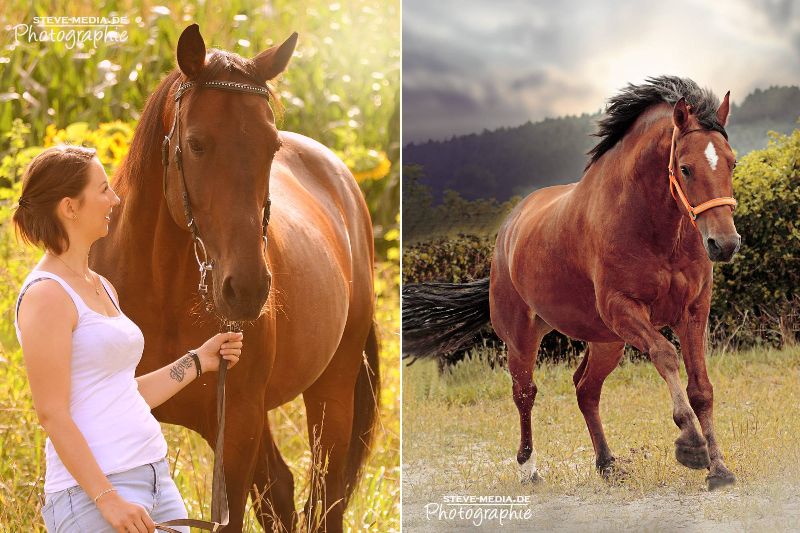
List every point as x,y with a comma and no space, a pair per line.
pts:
112,489
196,359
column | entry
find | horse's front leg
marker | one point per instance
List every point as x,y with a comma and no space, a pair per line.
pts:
244,425
691,332
630,320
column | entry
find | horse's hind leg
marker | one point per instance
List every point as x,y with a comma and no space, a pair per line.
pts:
521,362
600,360
522,331
274,487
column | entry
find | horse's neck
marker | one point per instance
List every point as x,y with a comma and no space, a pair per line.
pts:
145,225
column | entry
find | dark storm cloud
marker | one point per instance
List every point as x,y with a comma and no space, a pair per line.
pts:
534,79
470,65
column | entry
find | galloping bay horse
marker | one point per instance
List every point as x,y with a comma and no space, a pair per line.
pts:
306,301
610,260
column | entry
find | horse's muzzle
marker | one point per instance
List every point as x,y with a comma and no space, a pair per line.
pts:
723,248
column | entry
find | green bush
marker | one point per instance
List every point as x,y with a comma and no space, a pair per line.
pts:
759,287
453,260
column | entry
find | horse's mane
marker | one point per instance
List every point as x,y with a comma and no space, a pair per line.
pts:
149,135
624,108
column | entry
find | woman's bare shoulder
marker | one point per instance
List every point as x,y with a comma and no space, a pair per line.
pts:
46,301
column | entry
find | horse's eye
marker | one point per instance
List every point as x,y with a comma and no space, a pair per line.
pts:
685,171
195,146
735,162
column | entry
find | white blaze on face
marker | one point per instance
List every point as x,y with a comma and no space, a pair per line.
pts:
711,155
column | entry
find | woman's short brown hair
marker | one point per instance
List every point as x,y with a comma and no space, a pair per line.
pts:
58,172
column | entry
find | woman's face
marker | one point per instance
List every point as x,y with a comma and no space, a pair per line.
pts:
99,199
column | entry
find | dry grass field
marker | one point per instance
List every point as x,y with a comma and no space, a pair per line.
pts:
460,436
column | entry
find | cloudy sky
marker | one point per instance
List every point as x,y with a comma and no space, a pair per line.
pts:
472,64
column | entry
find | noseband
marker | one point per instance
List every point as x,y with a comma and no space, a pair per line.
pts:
675,186
205,264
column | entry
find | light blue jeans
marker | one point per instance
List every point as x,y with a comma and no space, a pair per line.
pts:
72,510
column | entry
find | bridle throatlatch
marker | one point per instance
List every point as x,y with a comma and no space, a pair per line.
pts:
675,186
219,497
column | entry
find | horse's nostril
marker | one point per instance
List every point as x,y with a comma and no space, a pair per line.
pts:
227,289
713,246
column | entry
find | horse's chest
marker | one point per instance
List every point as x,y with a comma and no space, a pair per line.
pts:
675,291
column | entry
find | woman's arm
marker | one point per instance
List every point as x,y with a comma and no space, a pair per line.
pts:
160,385
47,318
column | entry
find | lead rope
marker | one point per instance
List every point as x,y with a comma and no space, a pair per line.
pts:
219,493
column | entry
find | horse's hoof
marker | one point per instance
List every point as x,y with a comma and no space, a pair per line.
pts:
534,478
694,457
719,478
612,472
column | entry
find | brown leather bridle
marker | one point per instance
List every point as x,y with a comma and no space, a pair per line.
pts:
675,186
219,497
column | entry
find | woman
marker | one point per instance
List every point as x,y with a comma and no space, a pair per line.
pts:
106,455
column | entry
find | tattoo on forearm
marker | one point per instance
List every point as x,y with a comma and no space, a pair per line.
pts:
178,370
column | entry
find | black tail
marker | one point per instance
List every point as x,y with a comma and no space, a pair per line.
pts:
366,404
442,318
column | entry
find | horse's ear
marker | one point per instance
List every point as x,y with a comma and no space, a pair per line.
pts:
191,51
724,110
273,61
680,114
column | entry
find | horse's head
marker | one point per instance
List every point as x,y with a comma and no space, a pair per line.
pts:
703,166
226,140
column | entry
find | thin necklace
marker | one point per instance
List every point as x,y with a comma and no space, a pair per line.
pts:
84,276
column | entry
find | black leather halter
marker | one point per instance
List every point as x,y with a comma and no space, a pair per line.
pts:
205,264
219,498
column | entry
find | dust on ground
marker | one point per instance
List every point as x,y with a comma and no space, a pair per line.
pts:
735,509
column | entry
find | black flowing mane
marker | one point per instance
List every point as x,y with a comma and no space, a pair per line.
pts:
625,107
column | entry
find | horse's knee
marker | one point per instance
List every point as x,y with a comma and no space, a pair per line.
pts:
666,358
588,395
701,397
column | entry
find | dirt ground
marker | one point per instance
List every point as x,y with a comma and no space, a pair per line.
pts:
776,508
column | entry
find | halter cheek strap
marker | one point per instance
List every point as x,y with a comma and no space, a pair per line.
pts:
675,186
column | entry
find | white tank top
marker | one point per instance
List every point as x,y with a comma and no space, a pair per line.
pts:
104,397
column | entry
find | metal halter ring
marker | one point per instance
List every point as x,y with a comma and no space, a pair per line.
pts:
204,264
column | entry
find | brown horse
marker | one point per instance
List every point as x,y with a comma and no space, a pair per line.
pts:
306,303
610,260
